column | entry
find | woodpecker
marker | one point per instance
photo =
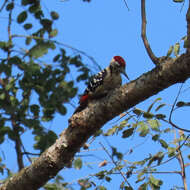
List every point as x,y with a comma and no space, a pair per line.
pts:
103,82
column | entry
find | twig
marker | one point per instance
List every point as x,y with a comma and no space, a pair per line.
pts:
175,126
125,179
154,59
30,153
62,44
18,143
172,110
181,162
9,32
2,7
126,4
173,156
164,172
188,29
27,153
182,6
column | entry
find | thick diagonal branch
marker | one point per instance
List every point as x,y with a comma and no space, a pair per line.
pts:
154,59
84,124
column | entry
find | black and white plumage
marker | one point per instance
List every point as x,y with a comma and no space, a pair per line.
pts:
96,81
103,82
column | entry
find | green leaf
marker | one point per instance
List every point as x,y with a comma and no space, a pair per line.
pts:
127,133
155,137
26,2
144,186
137,111
171,151
3,131
2,96
40,49
182,104
53,33
119,155
22,17
154,124
151,105
163,143
35,109
62,110
108,179
27,26
100,187
111,131
78,164
170,51
5,45
160,106
54,15
160,157
160,116
47,24
10,6
128,188
143,129
56,58
14,60
148,115
28,40
43,139
155,182
178,1
176,49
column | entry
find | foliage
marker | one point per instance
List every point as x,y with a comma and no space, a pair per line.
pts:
150,125
32,90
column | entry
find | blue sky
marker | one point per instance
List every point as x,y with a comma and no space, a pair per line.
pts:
106,28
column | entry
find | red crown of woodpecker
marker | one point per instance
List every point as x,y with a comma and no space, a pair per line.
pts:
120,60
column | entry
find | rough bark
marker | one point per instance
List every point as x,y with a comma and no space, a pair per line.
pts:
84,124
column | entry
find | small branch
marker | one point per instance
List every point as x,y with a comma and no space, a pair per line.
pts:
172,110
126,4
175,126
186,165
33,154
18,144
154,59
164,172
9,32
125,179
62,44
181,162
174,155
2,7
188,29
27,153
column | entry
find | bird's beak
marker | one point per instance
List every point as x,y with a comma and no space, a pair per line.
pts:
124,73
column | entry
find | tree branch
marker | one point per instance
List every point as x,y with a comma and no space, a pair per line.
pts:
181,162
154,59
18,144
188,29
115,163
84,124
